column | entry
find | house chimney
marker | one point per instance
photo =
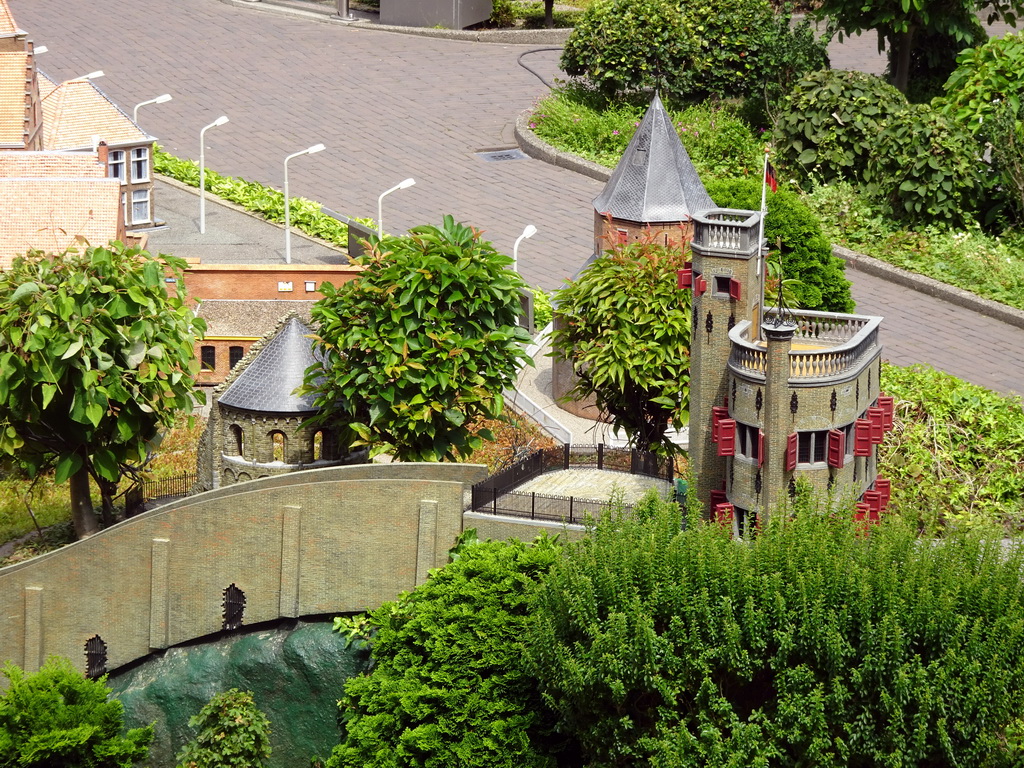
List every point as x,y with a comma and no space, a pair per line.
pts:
101,153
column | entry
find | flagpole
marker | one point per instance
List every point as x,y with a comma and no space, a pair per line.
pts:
762,267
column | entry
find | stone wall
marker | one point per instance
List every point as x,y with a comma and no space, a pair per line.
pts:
327,541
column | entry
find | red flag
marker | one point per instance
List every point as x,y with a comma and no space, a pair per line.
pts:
769,177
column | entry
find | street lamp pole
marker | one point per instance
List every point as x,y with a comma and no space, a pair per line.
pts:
287,201
202,171
380,203
162,99
528,232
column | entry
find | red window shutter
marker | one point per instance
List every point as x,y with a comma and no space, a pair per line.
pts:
888,406
699,285
685,277
623,236
862,438
874,501
877,418
727,437
734,289
884,488
760,447
718,413
861,512
792,441
724,514
836,448
718,497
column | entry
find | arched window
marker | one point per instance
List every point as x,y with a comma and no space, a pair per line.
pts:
280,444
237,441
318,445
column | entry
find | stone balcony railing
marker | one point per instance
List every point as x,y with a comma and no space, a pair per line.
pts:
826,346
725,230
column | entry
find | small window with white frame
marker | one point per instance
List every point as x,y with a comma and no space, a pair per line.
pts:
140,206
140,164
115,165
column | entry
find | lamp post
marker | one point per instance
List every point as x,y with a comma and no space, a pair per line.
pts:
202,171
90,76
380,203
528,232
162,99
39,49
287,202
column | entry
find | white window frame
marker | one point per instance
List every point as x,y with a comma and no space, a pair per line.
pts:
140,159
124,208
116,165
141,196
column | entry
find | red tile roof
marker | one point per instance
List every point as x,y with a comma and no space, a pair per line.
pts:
76,111
13,85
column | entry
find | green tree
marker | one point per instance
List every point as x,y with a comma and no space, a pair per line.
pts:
906,26
232,733
96,357
56,718
448,686
420,345
626,330
809,645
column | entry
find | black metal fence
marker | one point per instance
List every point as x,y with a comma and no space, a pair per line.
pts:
136,497
496,494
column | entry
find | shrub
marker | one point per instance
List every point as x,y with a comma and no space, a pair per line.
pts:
830,121
233,733
985,77
448,687
1007,131
57,717
810,645
956,455
793,228
632,45
933,59
926,168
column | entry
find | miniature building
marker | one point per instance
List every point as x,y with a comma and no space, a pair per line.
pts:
793,396
256,421
652,193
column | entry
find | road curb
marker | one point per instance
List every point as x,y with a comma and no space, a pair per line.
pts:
506,36
541,150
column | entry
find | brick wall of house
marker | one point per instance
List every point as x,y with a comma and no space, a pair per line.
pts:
263,281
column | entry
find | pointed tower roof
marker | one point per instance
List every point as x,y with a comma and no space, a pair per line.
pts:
655,180
7,26
270,378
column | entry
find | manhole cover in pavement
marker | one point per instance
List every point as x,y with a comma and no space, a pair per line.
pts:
502,154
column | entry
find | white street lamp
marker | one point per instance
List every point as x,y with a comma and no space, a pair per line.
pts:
162,99
202,171
380,203
90,76
39,49
287,201
528,232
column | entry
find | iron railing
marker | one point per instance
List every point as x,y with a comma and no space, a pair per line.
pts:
138,494
496,494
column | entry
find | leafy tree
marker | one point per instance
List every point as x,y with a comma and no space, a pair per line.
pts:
95,358
793,230
809,645
906,26
56,718
448,687
627,332
420,345
233,733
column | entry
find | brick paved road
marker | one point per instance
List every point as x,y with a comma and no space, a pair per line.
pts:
390,106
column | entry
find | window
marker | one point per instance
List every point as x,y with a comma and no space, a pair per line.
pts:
748,442
140,206
234,356
115,164
284,286
140,164
622,236
721,285
237,440
208,357
812,447
279,441
124,207
310,286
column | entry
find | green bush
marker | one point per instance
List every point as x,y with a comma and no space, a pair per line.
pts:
927,168
793,228
232,733
632,45
1007,131
448,687
933,59
810,645
829,123
956,454
57,718
985,77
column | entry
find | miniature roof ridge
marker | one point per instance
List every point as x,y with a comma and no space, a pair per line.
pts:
70,122
268,382
8,28
655,180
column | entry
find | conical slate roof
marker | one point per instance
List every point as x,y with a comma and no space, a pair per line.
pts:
269,379
655,180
